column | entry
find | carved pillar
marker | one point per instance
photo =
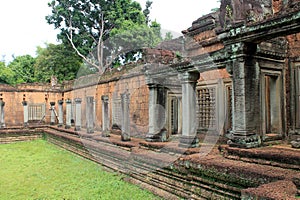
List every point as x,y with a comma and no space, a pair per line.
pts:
246,100
157,98
53,114
68,113
180,116
25,112
78,114
105,116
189,118
60,113
125,117
153,128
2,121
94,112
90,114
221,114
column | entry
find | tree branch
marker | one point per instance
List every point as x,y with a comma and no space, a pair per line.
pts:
70,38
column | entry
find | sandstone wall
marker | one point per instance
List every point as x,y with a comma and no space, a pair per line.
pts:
32,93
113,88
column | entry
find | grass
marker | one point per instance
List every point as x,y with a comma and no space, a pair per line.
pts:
40,170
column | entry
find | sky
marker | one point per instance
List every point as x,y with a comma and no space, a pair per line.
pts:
23,24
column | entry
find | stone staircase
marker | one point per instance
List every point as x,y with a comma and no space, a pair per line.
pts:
174,173
150,169
280,155
18,135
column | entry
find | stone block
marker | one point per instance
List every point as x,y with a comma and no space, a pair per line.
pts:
296,143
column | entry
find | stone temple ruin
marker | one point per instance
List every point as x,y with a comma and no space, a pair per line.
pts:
213,114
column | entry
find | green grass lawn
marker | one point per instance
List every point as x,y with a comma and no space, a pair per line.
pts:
40,170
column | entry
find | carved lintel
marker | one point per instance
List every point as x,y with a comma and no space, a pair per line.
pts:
153,81
189,77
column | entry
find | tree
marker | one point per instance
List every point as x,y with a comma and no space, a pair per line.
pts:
23,69
6,75
87,24
56,60
146,11
131,36
168,36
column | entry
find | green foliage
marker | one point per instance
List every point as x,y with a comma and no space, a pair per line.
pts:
147,11
155,26
168,36
229,11
85,19
128,40
56,60
104,30
23,69
134,36
6,75
38,170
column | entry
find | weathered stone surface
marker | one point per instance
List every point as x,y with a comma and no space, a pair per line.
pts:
296,143
272,191
90,121
232,11
68,113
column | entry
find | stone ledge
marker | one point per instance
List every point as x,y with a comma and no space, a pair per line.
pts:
189,176
277,155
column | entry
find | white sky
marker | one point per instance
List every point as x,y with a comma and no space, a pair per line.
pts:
23,24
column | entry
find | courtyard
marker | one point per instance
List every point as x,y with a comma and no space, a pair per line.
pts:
40,170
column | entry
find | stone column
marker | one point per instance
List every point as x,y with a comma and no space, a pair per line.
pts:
94,112
157,100
25,112
78,114
189,125
246,102
153,126
125,117
68,113
2,122
53,115
60,113
221,106
90,114
105,116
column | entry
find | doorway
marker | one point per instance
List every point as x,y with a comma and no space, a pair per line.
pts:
174,114
271,105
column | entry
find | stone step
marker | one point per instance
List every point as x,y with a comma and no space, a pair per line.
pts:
187,176
146,168
272,139
276,155
7,140
17,135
